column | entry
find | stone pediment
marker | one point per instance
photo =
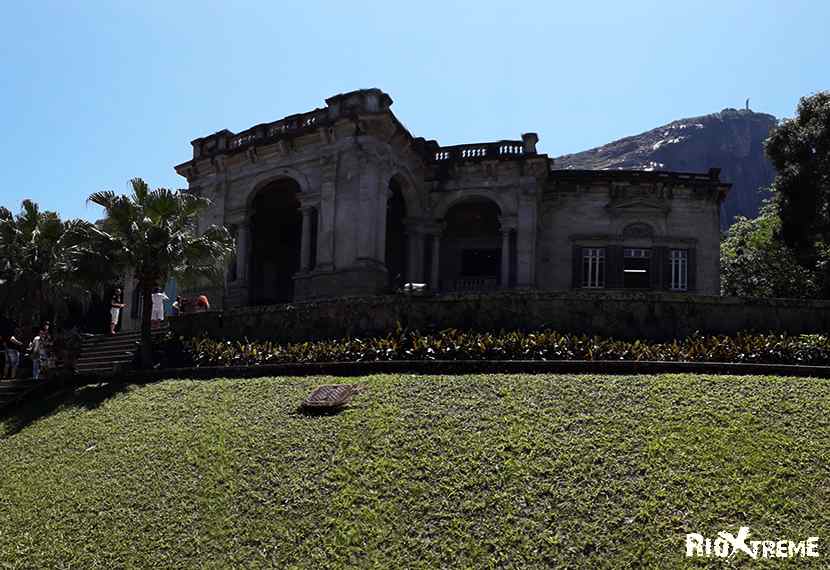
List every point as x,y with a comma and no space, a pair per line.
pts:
638,205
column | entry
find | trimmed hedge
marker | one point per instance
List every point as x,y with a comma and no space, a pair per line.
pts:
542,345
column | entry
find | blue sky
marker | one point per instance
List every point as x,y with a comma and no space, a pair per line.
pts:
95,93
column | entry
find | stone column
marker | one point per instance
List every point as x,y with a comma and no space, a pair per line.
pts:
526,236
414,261
369,218
305,247
325,229
382,207
243,238
505,257
326,212
436,261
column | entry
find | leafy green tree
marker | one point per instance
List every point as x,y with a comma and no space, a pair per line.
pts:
41,257
755,262
153,234
799,149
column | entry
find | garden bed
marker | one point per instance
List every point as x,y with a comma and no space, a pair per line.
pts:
546,345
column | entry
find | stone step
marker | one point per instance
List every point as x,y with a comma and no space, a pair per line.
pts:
113,352
20,383
120,336
97,370
112,341
86,362
102,354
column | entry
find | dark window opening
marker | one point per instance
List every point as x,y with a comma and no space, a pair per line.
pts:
636,268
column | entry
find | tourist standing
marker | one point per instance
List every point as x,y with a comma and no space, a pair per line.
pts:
157,313
202,304
11,346
116,304
177,306
39,351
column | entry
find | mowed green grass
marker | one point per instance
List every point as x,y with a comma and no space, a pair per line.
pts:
484,471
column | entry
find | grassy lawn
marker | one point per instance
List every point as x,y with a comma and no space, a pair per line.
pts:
486,471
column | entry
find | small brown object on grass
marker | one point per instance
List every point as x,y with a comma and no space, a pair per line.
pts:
329,397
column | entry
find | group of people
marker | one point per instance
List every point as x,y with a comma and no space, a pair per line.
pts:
158,297
39,350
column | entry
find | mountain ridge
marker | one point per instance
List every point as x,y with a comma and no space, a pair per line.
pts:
732,140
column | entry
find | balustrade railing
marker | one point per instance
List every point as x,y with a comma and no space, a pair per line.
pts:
295,123
475,284
479,151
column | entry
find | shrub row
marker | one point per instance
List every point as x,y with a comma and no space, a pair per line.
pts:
542,345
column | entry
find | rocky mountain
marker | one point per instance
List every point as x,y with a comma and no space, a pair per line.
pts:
731,140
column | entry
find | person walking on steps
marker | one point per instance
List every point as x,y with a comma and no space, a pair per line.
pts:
116,304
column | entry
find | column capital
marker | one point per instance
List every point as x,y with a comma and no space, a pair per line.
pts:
239,217
433,227
507,223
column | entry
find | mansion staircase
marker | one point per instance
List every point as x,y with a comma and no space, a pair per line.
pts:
100,355
104,354
13,390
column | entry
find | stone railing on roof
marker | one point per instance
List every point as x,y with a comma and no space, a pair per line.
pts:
462,152
338,106
288,125
226,141
509,149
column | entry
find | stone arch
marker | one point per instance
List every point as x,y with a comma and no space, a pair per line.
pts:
471,245
409,191
638,230
273,175
276,239
412,192
446,202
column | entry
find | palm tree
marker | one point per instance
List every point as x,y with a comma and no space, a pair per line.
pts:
154,234
40,258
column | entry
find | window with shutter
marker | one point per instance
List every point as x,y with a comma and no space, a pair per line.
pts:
593,267
679,270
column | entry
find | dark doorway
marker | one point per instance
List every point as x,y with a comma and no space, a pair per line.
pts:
480,262
396,250
276,237
471,247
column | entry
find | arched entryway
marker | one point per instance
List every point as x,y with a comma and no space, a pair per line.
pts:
471,247
276,237
396,238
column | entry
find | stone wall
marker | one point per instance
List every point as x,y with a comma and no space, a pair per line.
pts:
656,316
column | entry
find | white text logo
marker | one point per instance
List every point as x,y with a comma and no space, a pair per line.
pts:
728,544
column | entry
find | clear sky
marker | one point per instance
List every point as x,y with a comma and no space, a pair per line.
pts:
95,93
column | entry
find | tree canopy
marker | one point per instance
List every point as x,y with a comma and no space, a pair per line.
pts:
47,263
799,148
755,262
154,235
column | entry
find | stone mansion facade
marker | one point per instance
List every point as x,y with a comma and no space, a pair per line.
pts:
343,200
